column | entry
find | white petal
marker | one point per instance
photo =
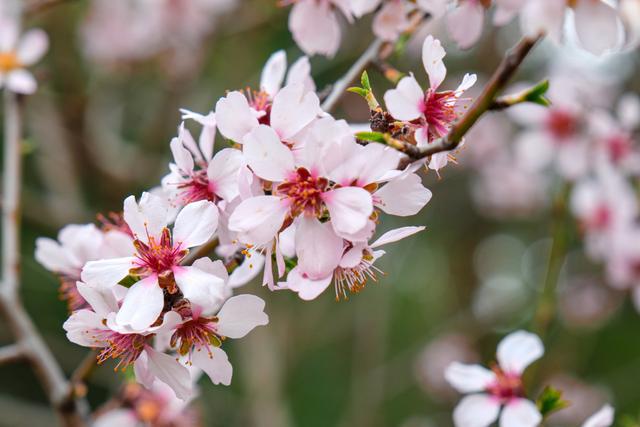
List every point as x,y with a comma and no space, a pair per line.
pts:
465,23
195,224
406,102
518,350
596,25
171,372
300,72
293,108
81,327
101,299
216,365
32,47
223,173
603,418
403,196
267,156
396,235
520,413
477,410
467,83
350,208
182,157
306,288
201,288
318,248
247,271
315,27
142,305
258,219
21,81
468,378
106,272
53,256
273,73
148,217
432,55
234,116
241,314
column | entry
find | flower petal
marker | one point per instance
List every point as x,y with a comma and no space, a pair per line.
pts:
518,350
597,25
293,108
350,208
432,55
195,224
171,372
306,288
477,410
315,28
32,47
258,219
267,156
234,116
468,378
148,217
241,314
21,81
603,418
406,102
300,72
106,272
216,365
273,73
520,413
201,288
396,235
182,157
142,305
403,196
465,23
223,173
318,248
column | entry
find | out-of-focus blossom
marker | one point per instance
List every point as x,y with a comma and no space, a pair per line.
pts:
17,52
498,392
585,302
603,418
437,355
430,113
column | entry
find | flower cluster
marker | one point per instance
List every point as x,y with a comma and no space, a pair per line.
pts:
315,25
293,194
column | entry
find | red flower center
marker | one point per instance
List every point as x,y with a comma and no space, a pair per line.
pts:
196,334
304,191
562,124
197,188
619,147
158,258
126,347
439,110
507,386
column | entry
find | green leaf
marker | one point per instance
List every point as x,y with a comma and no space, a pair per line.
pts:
550,400
129,281
371,136
364,80
358,90
537,93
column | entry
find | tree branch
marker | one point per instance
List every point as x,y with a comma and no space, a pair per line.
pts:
377,50
201,251
11,353
507,68
28,339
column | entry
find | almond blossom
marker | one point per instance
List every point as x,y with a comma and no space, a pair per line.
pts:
18,52
498,392
158,253
430,113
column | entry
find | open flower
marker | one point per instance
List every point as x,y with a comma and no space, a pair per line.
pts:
18,53
158,253
500,387
430,113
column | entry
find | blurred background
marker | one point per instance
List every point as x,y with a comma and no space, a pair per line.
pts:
98,130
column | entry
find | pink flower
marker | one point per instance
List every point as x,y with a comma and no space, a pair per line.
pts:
354,268
18,53
498,388
465,22
293,107
274,71
199,338
197,174
315,27
98,327
158,253
431,113
391,20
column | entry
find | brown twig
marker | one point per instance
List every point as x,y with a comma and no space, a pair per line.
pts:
507,68
27,337
201,251
377,50
11,353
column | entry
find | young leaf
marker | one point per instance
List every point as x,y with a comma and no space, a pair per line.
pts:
550,400
371,136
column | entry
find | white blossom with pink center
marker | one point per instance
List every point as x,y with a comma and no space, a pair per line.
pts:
158,253
355,267
18,52
498,392
431,113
